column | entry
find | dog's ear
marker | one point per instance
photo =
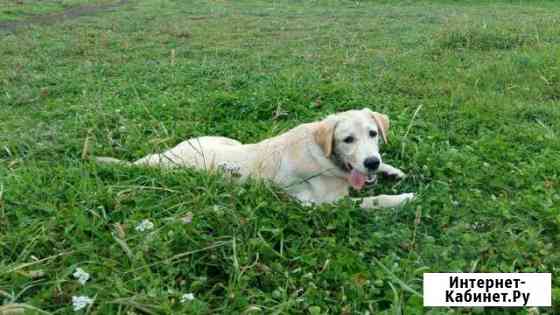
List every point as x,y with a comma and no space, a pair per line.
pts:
323,135
382,122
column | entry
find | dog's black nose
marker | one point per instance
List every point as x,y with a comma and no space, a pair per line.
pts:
372,163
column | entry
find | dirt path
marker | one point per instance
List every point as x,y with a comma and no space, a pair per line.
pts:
70,13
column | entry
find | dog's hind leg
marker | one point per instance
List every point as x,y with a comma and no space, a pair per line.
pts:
150,160
385,201
110,160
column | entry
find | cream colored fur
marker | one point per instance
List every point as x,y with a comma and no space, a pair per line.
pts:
298,160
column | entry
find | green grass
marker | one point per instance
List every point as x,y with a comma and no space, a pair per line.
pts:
18,10
482,153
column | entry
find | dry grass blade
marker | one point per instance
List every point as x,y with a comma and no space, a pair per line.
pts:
132,302
6,294
124,246
1,198
130,188
20,308
33,274
408,128
25,265
86,146
545,127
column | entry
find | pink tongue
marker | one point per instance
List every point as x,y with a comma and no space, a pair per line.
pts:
357,179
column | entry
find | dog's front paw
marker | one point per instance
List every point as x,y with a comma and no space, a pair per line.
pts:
402,199
407,197
387,201
395,174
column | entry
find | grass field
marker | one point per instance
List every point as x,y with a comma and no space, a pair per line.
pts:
482,153
18,10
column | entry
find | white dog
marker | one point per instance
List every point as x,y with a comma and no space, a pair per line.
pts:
315,162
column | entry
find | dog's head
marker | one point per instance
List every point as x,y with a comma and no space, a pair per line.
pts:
351,141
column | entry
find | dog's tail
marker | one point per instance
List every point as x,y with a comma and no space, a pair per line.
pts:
110,160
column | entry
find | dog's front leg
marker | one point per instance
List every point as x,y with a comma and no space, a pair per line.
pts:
391,171
385,201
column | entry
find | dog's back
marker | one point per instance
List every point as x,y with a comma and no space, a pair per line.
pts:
207,153
202,152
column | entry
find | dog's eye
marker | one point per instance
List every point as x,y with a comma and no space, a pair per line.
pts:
373,133
349,139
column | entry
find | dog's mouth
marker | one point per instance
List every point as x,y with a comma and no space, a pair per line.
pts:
356,178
